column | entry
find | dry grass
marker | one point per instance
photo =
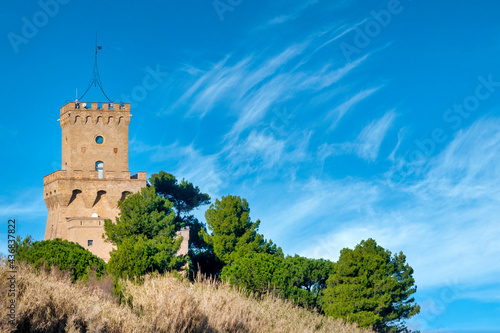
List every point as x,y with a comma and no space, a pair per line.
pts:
48,302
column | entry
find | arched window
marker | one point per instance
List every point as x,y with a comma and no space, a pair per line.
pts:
124,195
74,195
99,167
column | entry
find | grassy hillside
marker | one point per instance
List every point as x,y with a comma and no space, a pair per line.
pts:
49,302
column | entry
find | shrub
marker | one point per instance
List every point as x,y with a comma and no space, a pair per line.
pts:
66,256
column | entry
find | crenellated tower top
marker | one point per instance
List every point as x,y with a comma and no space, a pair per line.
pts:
103,106
94,137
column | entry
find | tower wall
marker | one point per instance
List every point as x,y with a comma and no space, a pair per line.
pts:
74,199
79,197
82,123
94,176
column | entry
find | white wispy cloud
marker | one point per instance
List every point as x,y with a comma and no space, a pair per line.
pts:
256,106
214,85
251,85
395,150
284,86
342,31
28,209
366,145
447,223
225,81
327,76
203,170
370,138
280,19
335,115
311,207
269,67
469,164
186,161
264,153
28,203
258,146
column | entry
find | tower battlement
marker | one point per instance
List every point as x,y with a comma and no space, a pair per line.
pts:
94,113
95,106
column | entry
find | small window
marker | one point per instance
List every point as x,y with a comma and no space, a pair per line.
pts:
90,242
99,167
99,140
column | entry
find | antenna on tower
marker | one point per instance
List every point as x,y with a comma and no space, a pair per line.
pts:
95,79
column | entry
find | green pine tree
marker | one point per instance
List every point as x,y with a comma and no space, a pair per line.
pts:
371,287
145,236
233,234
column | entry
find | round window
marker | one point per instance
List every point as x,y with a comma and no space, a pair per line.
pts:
99,139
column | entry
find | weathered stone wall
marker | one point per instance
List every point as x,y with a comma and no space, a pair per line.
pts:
84,229
69,198
184,233
80,128
79,197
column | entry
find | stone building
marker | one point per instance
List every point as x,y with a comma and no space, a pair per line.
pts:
94,175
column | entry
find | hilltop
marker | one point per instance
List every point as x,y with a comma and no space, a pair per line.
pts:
47,301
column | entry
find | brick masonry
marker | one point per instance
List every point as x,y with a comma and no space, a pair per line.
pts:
94,175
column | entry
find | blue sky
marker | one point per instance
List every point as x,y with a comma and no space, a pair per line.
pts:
336,120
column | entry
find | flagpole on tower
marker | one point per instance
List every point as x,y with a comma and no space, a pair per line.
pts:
95,79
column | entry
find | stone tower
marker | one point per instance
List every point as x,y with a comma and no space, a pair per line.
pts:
94,175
